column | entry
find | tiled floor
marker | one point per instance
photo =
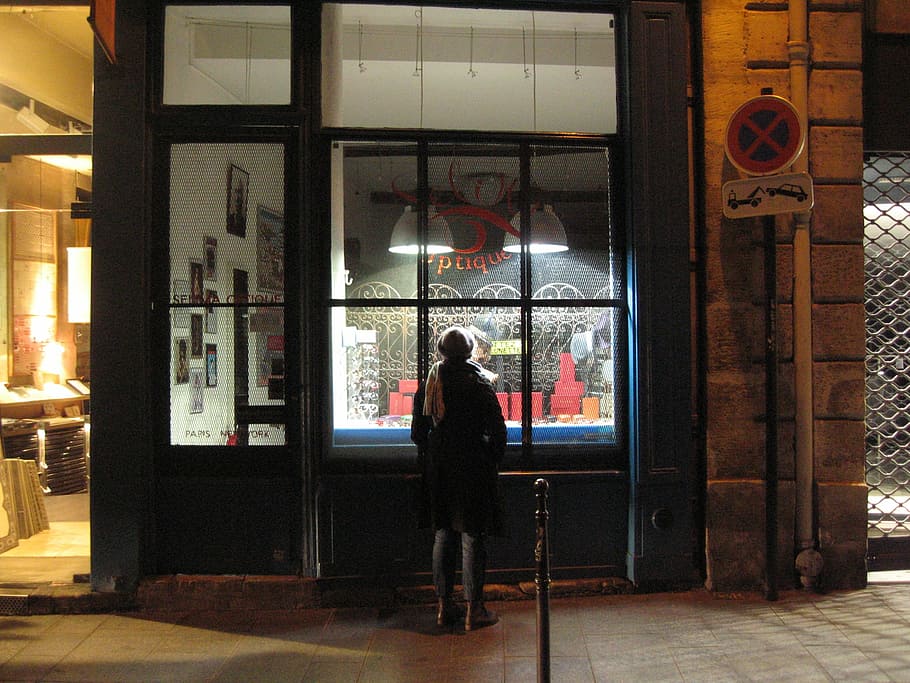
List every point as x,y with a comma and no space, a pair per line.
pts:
55,555
850,636
63,539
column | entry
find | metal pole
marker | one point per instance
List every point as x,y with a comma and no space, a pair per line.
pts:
770,407
542,581
770,244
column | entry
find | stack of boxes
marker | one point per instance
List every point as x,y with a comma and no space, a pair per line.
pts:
567,391
401,402
566,398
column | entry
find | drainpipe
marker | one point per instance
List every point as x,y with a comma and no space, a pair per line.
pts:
808,559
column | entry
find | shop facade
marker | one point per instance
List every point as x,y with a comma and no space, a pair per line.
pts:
292,201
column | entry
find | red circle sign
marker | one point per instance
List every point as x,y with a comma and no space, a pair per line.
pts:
764,135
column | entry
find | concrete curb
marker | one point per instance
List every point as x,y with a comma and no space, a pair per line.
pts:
185,592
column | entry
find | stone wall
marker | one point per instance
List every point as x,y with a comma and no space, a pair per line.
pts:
744,48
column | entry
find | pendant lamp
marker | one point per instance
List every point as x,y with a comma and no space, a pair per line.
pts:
548,234
404,235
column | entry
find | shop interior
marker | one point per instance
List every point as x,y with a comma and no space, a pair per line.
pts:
45,310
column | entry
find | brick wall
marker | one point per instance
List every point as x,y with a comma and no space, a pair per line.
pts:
744,47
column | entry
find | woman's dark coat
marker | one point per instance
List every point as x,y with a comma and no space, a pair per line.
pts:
459,457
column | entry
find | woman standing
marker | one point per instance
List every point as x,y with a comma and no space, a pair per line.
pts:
461,435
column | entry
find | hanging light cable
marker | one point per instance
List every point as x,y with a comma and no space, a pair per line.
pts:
360,47
577,70
524,54
418,47
471,72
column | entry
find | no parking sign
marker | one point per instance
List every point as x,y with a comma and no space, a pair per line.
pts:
764,135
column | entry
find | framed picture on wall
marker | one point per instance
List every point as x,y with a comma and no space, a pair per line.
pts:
181,360
196,288
197,384
210,259
238,184
211,365
196,335
269,249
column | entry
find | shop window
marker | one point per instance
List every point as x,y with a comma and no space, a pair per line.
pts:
530,261
227,54
227,293
455,68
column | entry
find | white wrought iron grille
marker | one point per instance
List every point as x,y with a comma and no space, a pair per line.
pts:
886,244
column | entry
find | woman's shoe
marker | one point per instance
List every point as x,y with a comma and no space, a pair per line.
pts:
447,612
479,616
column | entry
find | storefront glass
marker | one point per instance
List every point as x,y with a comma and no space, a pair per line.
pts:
457,68
518,241
227,293
551,334
574,373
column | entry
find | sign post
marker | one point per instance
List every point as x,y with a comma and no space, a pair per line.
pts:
764,136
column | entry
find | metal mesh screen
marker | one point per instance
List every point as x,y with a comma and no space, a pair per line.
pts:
571,195
886,243
573,293
227,291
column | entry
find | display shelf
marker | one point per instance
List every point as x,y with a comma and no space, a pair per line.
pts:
50,401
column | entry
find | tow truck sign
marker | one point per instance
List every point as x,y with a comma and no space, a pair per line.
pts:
768,195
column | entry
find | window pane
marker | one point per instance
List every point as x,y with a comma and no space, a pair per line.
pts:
573,364
237,54
571,211
374,210
576,301
473,196
497,335
214,379
227,292
453,68
374,374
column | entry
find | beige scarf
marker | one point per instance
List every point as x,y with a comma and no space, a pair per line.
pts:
432,402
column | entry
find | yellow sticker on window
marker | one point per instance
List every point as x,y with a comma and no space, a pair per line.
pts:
506,347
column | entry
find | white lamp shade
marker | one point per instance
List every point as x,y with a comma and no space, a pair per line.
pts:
79,284
548,235
404,235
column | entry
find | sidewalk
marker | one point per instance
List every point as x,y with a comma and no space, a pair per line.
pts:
694,636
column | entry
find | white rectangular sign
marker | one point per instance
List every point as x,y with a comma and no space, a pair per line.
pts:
768,195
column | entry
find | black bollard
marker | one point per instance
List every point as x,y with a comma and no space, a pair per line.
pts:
542,580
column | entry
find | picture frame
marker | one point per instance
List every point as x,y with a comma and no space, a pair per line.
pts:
181,360
197,384
197,292
211,365
238,184
210,259
269,249
196,335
